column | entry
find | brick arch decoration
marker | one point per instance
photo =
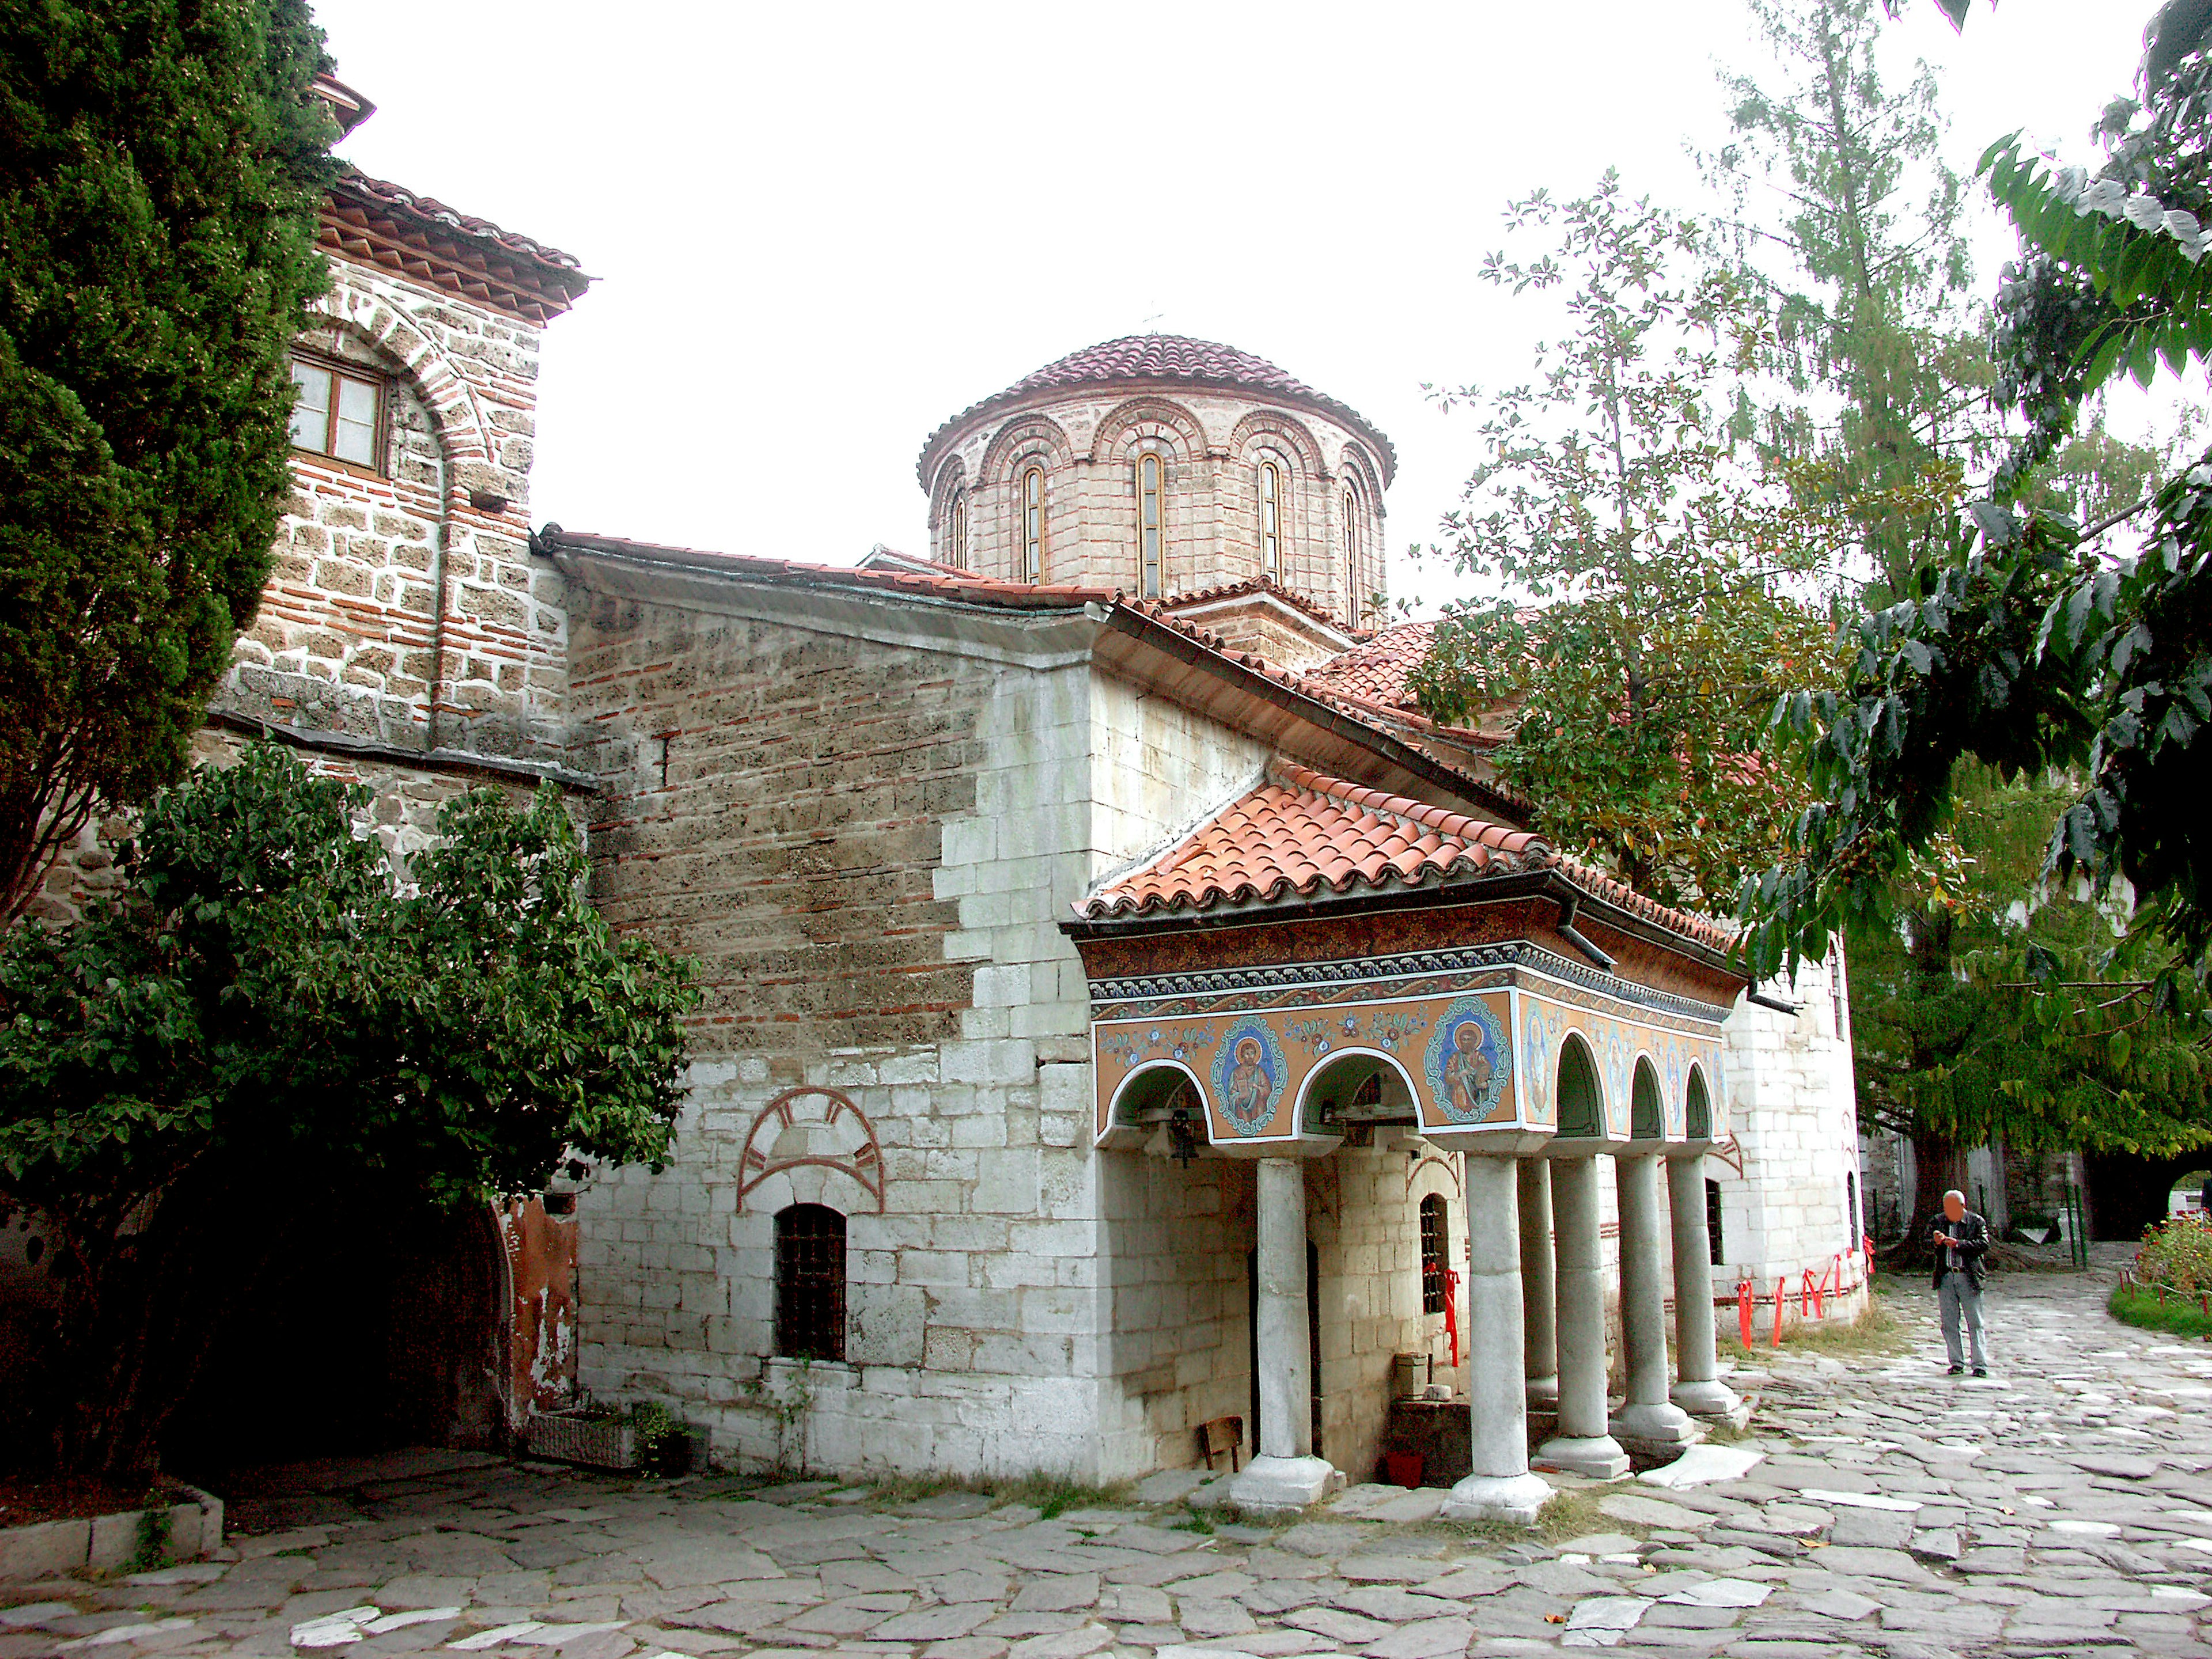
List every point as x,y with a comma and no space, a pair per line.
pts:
1262,425
463,431
1441,1168
1125,419
1021,438
812,1127
1360,464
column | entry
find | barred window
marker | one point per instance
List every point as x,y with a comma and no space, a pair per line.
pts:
1433,1255
809,1283
1713,1220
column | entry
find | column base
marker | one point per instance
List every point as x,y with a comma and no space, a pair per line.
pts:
1275,1485
1598,1456
1654,1431
1514,1498
1706,1399
1544,1394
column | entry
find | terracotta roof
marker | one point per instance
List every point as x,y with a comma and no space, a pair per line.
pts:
377,223
1375,671
1143,360
1299,832
1288,596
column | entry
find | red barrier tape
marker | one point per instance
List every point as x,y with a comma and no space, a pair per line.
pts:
1451,1312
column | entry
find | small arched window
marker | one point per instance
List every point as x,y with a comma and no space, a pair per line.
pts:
809,1283
1151,489
956,530
1433,1231
1270,519
1032,568
1352,555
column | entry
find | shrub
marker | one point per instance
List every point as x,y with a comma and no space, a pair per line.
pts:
2177,1253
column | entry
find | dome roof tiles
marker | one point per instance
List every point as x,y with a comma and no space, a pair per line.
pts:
1145,360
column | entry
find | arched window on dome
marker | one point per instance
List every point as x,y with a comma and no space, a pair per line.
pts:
1351,554
1270,519
1151,490
1032,536
956,530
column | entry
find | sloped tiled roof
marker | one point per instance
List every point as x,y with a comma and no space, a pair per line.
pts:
1375,671
1252,585
1299,832
1140,360
376,222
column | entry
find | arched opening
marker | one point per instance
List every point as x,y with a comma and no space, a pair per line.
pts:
1151,526
1697,1108
809,1283
1355,1086
1647,1118
1032,528
1436,1230
389,1336
1582,1101
1155,1092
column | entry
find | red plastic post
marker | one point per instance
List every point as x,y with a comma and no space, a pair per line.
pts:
1745,1300
1781,1300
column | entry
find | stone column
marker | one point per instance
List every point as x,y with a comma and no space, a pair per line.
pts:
1700,1391
1647,1424
1583,1444
1500,1486
1539,1285
1286,1475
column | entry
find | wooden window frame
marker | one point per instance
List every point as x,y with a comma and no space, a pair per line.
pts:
1032,527
1153,570
1270,519
1352,554
955,530
378,382
798,1327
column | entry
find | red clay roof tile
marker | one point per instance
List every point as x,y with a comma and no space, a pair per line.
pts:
1164,360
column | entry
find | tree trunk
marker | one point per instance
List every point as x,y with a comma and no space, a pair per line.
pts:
1939,1166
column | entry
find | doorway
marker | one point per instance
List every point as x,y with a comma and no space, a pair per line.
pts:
1313,1340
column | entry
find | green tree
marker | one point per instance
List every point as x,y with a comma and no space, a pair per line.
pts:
2028,648
1839,176
1647,599
263,1023
160,167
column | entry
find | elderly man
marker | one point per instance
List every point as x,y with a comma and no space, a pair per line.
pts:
1961,1238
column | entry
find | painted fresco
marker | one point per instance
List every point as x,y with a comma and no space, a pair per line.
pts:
1469,1064
1470,1057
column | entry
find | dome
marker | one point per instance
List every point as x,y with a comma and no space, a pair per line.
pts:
1156,360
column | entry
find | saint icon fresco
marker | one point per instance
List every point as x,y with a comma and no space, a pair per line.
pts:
1246,1096
1467,1073
1468,1061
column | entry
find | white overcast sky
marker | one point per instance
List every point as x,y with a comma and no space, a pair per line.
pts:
820,230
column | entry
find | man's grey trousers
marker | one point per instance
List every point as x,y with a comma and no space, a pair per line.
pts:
1958,1294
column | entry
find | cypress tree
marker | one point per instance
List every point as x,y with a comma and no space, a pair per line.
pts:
161,162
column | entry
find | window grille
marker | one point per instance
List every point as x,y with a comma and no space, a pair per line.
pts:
1433,1255
1713,1221
809,1283
1851,1208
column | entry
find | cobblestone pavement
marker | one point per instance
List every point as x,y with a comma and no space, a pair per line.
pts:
2062,1506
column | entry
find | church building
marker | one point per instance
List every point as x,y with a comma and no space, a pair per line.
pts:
1124,1010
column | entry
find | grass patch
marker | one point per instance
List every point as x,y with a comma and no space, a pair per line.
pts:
1052,1495
2138,1304
1570,1514
1876,1332
1719,1431
897,1489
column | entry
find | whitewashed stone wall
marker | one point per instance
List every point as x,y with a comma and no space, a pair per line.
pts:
1792,1106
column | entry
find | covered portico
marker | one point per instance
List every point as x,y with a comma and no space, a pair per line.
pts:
1319,965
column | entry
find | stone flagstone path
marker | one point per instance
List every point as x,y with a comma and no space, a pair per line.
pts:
2064,1506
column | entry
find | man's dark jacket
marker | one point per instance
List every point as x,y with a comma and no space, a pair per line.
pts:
1972,1234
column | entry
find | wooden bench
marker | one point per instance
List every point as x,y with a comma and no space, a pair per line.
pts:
1224,1434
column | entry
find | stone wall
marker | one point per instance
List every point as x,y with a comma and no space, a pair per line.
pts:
404,604
1794,1110
1212,444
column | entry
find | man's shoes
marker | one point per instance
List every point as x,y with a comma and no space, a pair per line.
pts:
1981,1371
1957,1370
